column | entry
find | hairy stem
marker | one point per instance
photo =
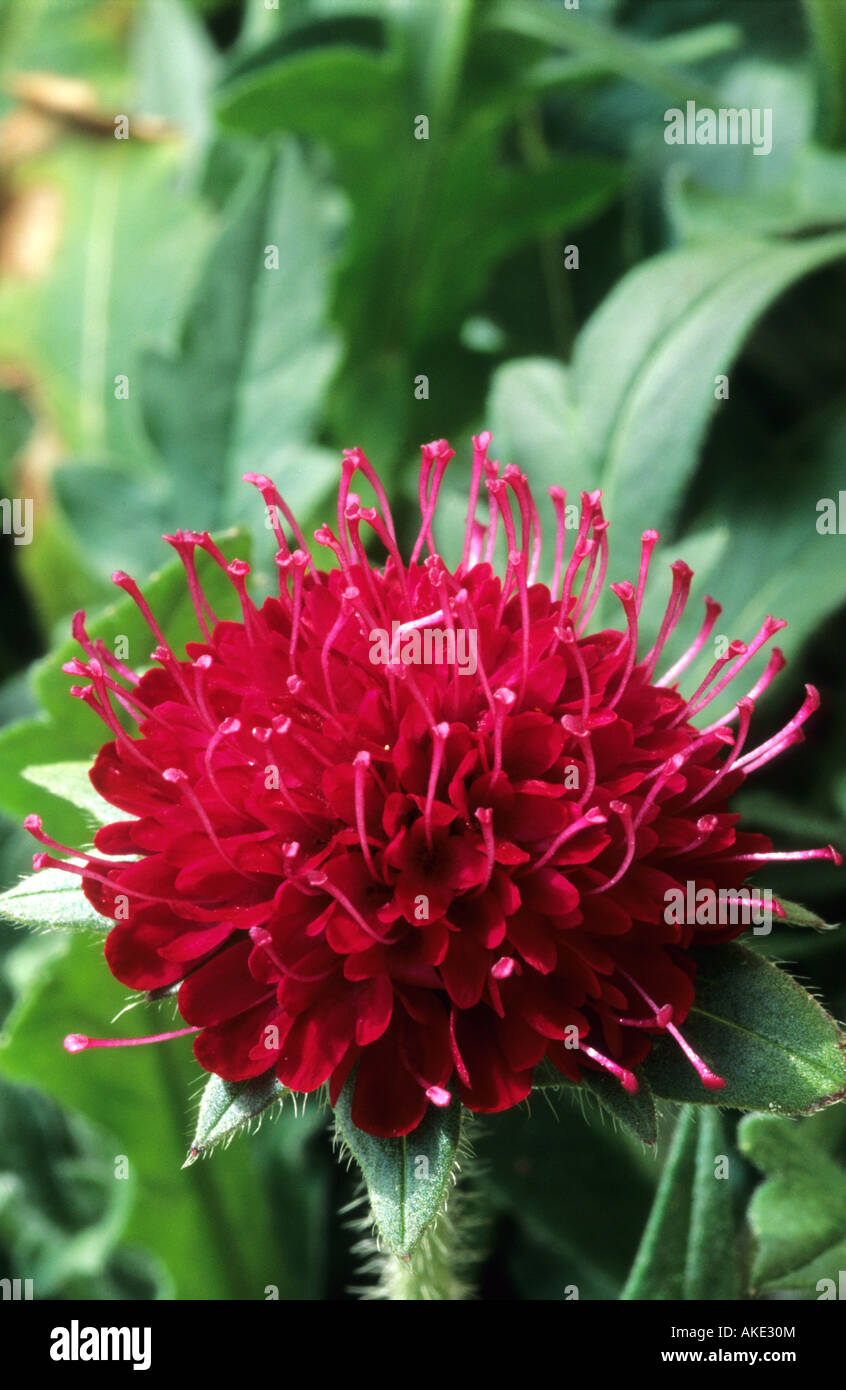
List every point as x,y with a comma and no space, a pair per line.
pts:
432,1272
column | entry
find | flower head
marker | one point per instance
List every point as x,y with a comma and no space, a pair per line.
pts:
421,822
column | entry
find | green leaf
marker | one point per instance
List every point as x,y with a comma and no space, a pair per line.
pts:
798,1215
227,1106
264,343
219,1243
644,366
640,387
755,1026
827,23
175,65
407,1179
266,346
64,1206
318,93
636,1112
402,266
130,239
687,1250
72,782
617,52
49,899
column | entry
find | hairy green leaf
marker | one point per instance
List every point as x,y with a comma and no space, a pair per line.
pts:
50,898
407,1179
755,1026
636,1112
72,782
227,1106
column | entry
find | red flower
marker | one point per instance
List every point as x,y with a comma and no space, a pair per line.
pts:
439,872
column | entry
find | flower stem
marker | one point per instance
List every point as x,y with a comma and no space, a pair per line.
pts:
431,1273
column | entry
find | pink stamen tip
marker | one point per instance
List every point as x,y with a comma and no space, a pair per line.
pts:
78,1042
438,1096
711,1081
626,1078
505,966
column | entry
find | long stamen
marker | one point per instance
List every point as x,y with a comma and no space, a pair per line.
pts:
354,518
298,562
440,734
361,462
105,712
99,649
670,768
361,763
559,502
273,499
770,627
480,453
775,664
223,730
648,542
771,747
600,529
626,594
504,701
712,613
377,525
624,811
661,1019
33,825
709,1079
441,453
682,575
78,1042
829,852
321,881
261,937
185,543
177,777
590,502
46,861
590,818
491,475
484,815
626,1078
568,637
745,707
734,649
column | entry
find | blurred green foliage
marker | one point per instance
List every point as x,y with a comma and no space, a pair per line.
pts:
260,276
